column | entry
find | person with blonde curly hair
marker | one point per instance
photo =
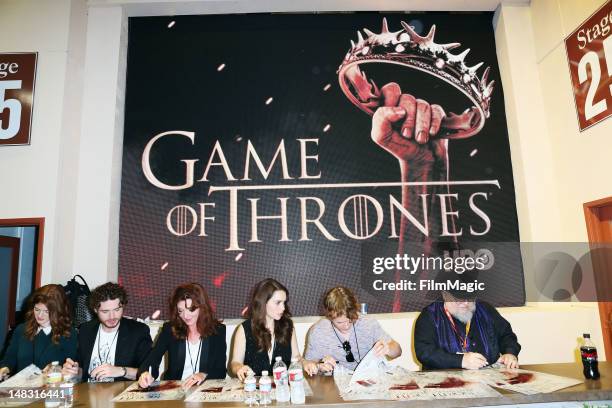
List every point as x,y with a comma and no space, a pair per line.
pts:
344,336
46,336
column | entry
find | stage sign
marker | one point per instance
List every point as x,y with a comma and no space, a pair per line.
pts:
589,55
17,77
320,150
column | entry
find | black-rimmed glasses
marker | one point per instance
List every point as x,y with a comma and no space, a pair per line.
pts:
350,358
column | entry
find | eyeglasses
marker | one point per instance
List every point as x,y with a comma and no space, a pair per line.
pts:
350,358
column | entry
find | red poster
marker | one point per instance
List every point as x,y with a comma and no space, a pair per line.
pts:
589,55
17,77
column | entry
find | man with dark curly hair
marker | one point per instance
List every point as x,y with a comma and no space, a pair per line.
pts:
111,347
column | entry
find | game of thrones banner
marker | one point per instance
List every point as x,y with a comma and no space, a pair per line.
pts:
358,149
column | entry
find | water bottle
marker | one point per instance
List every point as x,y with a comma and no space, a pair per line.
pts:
265,388
250,389
280,380
296,380
53,379
67,389
588,352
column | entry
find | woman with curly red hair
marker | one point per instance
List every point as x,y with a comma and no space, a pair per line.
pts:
193,338
46,336
267,333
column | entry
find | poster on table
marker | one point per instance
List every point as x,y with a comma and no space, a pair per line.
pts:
366,150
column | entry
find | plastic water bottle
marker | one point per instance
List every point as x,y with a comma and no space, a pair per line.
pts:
67,389
53,380
296,380
250,389
588,352
265,388
281,380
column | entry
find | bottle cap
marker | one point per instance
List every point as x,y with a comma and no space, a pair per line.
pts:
264,373
586,335
54,363
278,358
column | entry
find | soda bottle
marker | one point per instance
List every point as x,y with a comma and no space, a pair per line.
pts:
53,379
296,379
265,388
281,380
250,389
588,352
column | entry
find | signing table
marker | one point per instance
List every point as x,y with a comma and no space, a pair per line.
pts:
325,393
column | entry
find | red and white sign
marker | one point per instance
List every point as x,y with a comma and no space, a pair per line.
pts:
17,77
589,55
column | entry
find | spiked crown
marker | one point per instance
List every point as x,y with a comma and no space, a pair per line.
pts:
407,48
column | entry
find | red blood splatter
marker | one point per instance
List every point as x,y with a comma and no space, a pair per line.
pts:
521,378
449,382
218,280
212,389
367,383
170,385
412,385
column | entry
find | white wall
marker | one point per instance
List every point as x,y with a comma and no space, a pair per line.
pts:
69,174
30,175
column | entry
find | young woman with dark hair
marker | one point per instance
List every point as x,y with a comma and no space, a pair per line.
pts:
193,338
267,333
46,336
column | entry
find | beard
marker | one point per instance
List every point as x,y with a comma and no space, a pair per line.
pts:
466,315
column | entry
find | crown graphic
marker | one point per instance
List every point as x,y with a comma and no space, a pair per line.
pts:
407,48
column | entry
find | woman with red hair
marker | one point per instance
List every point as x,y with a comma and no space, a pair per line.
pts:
46,336
193,338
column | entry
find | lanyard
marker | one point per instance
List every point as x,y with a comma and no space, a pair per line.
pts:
354,332
194,365
105,360
463,340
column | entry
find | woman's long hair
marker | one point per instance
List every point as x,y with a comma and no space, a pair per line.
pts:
207,322
283,328
54,297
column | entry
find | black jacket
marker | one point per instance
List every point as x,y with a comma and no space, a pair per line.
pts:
41,351
212,357
133,344
500,337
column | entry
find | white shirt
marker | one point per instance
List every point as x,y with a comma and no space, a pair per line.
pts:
192,358
104,349
46,330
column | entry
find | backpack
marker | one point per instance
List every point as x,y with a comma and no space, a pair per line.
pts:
78,295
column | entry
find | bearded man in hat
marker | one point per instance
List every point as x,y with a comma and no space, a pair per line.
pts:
459,331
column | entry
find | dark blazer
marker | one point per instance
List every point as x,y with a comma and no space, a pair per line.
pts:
41,351
212,357
133,344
